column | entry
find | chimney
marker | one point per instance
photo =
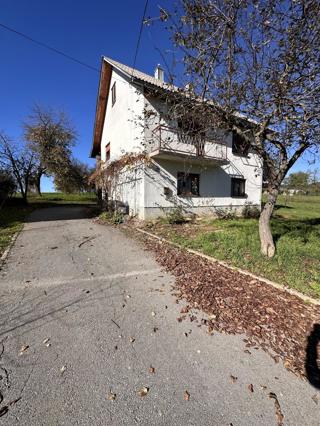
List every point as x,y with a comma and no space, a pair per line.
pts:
159,73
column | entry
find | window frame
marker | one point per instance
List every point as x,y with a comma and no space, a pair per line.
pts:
242,182
113,94
183,176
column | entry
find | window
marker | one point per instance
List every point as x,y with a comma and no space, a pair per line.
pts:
113,93
108,152
239,145
188,184
238,187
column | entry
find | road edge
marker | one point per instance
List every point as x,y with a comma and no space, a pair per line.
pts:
5,254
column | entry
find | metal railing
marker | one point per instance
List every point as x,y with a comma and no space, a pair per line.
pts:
176,141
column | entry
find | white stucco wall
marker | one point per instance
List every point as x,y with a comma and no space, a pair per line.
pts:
215,180
121,127
129,189
142,188
215,188
123,130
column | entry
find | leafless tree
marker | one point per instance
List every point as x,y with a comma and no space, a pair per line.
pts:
253,67
19,160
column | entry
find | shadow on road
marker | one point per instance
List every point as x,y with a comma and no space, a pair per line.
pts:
61,212
313,358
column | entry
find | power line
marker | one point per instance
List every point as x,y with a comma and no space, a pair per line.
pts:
46,46
140,33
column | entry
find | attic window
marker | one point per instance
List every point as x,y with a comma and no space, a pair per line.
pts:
113,93
239,145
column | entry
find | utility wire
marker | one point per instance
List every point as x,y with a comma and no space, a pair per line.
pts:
46,46
140,33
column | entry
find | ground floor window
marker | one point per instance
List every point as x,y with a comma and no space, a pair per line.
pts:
238,187
188,184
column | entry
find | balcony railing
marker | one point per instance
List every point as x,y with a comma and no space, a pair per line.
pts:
173,141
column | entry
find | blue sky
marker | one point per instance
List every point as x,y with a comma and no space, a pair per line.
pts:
83,29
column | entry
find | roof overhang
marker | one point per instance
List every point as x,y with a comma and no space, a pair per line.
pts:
102,100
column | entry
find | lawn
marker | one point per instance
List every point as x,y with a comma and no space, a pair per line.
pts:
296,229
14,213
60,198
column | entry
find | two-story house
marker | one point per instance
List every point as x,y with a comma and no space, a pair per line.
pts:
217,176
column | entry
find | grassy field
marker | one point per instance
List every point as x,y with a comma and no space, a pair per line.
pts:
14,213
296,229
60,198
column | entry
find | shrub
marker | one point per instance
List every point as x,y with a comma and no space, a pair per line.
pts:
7,185
176,216
226,213
112,217
250,212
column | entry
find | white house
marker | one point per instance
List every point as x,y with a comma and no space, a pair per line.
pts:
218,177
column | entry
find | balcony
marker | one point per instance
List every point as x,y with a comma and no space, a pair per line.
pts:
173,144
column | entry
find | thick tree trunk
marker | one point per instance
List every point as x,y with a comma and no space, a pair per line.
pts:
266,239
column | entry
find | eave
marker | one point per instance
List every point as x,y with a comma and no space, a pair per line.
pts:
102,100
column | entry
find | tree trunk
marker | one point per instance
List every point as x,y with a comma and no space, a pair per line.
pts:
38,183
266,239
22,191
25,191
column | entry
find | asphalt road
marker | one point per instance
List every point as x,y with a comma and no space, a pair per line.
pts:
106,308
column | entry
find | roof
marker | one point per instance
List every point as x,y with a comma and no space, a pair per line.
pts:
138,75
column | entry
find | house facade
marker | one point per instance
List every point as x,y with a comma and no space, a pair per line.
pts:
203,179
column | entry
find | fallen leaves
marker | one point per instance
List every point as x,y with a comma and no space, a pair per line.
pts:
46,342
111,396
23,349
250,388
185,310
279,414
152,370
275,321
186,396
143,391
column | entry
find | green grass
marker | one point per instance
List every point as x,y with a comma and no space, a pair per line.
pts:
296,229
60,198
14,212
11,221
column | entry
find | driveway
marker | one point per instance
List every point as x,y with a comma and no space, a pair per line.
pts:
87,321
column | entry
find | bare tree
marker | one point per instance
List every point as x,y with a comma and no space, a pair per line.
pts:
50,136
253,67
20,162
